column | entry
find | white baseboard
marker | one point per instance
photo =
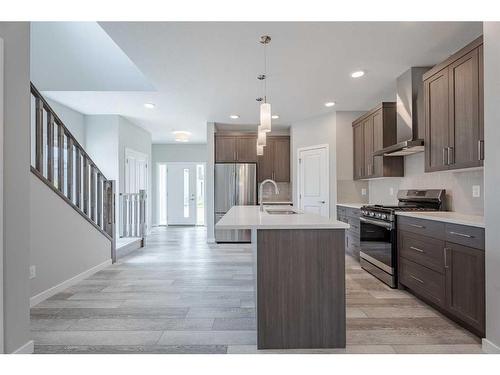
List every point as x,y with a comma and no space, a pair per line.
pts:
210,240
489,347
35,300
27,348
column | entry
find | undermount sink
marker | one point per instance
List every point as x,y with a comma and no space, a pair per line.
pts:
281,212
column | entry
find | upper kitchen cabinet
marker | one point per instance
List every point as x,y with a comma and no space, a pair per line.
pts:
235,148
275,163
372,132
454,134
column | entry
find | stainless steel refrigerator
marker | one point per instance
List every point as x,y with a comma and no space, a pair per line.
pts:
235,185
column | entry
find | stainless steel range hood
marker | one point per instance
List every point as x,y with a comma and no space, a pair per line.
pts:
410,126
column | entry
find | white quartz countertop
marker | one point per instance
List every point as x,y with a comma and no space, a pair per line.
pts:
447,217
250,217
270,203
352,205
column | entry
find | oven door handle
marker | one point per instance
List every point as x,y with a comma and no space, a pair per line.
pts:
377,223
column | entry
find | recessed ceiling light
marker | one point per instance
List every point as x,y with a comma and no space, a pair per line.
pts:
329,104
234,117
149,105
357,74
274,117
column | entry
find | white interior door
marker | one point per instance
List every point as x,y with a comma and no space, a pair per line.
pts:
181,194
314,177
136,171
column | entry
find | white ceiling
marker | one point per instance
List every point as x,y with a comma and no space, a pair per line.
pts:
206,71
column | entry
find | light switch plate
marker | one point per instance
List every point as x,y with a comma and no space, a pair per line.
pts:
363,191
476,191
391,191
32,272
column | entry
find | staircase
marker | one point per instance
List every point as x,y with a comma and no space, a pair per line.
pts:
63,165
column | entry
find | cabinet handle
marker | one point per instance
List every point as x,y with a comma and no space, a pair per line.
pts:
416,226
416,278
480,149
417,249
462,235
451,160
234,155
444,156
445,250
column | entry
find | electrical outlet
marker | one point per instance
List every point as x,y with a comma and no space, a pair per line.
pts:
391,191
476,191
363,191
32,272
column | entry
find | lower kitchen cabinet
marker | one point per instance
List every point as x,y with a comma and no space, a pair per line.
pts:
439,265
350,216
465,297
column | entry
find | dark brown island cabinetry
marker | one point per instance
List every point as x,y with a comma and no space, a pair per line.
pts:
275,163
453,96
372,132
235,148
443,264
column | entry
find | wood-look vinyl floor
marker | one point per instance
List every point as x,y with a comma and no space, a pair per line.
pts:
182,295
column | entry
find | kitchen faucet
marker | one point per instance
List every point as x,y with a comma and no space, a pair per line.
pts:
276,191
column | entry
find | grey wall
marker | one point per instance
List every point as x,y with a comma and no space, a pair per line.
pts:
209,175
458,186
164,153
16,152
492,180
54,225
348,190
311,132
73,120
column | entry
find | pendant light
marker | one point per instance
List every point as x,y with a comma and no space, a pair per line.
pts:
261,137
265,107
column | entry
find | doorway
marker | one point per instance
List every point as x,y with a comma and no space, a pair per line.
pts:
181,193
314,180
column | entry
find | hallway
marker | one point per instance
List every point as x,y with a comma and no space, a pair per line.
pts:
181,295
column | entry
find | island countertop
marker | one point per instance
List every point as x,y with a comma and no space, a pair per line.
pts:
250,217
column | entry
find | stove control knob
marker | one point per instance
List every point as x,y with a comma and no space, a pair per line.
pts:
372,214
384,216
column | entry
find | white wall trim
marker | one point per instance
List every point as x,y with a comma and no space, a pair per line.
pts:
308,148
1,200
27,348
210,240
489,347
35,300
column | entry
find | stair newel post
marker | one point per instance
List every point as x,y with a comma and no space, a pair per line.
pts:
109,215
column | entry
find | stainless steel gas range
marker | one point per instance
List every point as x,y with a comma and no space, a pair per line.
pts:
378,235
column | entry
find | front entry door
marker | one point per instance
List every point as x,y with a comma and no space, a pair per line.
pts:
181,194
314,180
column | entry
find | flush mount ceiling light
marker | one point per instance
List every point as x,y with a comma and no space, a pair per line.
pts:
357,74
275,117
329,104
181,136
234,117
149,105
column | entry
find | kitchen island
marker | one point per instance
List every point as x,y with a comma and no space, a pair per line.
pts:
299,269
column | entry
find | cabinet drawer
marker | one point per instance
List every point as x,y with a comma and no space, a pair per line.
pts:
426,251
465,235
423,281
422,227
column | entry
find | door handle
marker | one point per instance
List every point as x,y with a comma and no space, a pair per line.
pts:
322,202
416,278
416,226
417,249
444,156
451,152
461,234
445,256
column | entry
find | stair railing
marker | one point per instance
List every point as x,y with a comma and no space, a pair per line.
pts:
133,215
63,165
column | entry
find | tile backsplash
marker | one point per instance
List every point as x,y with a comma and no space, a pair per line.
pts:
285,193
458,185
349,191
